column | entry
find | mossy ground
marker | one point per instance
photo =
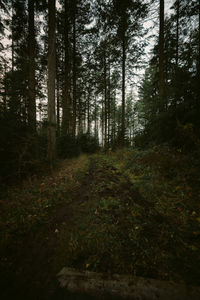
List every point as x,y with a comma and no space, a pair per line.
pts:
129,211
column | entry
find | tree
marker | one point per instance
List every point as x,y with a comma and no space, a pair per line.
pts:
161,56
66,101
128,15
160,119
51,67
31,65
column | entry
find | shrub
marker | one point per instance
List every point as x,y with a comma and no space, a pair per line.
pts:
67,147
88,143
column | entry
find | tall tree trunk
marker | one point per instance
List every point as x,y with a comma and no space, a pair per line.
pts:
123,88
84,116
13,107
95,118
12,44
177,31
102,122
66,102
58,100
5,90
161,56
80,121
198,62
109,100
31,79
74,73
88,114
51,67
114,117
177,52
105,100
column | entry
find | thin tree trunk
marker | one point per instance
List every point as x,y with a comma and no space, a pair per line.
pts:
85,115
177,52
58,101
109,87
198,62
80,121
161,57
177,32
114,118
31,81
102,121
5,90
123,88
13,107
66,93
88,114
95,117
74,74
51,67
12,45
105,101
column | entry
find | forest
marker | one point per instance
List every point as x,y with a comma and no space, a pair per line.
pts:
99,148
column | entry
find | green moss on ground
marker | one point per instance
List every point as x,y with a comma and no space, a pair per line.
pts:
130,211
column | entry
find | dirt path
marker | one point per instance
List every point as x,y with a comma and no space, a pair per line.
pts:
91,217
27,261
31,261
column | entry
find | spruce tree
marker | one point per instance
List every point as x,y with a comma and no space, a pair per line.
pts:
51,67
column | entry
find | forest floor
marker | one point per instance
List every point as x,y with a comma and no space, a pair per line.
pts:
127,212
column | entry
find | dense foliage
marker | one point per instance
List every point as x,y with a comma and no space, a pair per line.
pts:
178,122
99,52
130,212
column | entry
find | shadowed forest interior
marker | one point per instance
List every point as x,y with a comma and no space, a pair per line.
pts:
99,142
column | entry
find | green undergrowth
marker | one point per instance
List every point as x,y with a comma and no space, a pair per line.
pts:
130,212
142,217
26,207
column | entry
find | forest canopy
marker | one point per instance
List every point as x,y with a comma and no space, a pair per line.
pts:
75,76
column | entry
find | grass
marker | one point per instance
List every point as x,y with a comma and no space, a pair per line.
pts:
129,211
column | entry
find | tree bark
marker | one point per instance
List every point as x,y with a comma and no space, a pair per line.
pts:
74,73
80,112
51,67
5,90
58,101
12,45
95,118
105,100
109,104
161,56
31,79
177,52
198,62
114,118
123,88
177,32
88,113
104,286
102,121
66,103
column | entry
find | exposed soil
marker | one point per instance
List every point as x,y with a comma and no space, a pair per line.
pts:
27,270
86,229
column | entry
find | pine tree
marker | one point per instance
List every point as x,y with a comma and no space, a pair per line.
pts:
161,56
51,81
31,65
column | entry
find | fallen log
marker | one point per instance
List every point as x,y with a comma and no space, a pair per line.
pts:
105,286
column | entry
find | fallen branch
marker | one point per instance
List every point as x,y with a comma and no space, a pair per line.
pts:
102,285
